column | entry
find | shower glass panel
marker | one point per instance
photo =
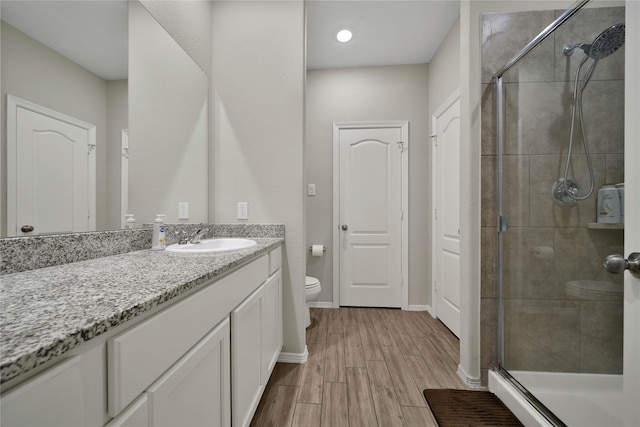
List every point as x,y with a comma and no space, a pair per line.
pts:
561,313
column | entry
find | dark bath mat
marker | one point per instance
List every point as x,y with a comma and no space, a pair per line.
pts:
468,408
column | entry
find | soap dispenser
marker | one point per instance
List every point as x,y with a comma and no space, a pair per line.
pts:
158,239
130,222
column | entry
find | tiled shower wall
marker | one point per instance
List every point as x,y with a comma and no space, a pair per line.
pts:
546,246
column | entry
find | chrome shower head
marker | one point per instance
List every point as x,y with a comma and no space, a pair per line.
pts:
604,45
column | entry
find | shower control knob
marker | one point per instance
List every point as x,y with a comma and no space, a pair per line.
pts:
344,227
616,264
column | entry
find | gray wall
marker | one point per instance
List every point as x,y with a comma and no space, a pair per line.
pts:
36,73
368,94
189,24
117,120
444,69
168,129
444,79
258,85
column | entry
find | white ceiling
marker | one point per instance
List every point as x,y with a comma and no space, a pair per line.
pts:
385,32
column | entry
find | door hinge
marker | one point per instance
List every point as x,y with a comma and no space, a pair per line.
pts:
434,138
401,146
435,213
502,224
401,215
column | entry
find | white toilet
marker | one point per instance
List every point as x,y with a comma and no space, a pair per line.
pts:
311,292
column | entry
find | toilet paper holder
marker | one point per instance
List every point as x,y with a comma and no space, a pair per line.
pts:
324,248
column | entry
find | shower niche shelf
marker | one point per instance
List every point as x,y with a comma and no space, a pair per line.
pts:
602,226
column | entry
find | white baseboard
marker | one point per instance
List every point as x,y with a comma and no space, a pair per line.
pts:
473,382
320,304
414,307
294,357
418,307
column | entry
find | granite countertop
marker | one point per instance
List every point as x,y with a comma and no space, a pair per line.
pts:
49,311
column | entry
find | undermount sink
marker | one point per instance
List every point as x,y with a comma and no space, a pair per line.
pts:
212,245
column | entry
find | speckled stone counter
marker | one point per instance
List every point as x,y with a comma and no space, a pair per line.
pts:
49,311
32,252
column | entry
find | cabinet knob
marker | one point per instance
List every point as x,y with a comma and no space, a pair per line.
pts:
27,228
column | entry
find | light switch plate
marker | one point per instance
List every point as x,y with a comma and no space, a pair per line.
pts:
183,210
311,190
243,210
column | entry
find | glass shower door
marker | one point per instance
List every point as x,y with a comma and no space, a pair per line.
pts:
561,311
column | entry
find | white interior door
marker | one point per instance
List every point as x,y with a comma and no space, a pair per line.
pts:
631,367
50,171
371,214
446,219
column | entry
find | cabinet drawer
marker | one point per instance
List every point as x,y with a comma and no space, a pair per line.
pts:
275,260
140,355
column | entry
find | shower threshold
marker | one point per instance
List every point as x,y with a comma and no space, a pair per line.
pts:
578,399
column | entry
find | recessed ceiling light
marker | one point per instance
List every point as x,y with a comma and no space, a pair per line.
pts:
344,36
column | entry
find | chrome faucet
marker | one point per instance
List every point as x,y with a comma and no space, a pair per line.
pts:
183,236
199,235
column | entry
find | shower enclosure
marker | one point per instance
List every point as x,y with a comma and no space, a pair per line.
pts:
559,126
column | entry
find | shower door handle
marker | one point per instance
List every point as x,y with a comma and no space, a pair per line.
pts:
616,264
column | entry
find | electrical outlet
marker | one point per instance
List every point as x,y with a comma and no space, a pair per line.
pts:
243,210
311,190
183,210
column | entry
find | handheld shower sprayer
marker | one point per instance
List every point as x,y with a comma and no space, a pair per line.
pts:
603,45
565,191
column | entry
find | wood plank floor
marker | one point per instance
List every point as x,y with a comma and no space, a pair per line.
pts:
366,367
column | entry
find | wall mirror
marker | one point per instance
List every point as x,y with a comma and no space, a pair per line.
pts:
112,65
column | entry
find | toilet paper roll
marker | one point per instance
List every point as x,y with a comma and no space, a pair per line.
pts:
316,250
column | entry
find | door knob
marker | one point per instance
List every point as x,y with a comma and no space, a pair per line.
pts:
616,264
27,228
344,226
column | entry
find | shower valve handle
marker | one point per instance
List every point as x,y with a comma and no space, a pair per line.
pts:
616,264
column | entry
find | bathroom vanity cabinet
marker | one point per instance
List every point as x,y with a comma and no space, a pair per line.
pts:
203,360
257,320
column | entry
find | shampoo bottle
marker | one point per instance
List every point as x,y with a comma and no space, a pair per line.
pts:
158,239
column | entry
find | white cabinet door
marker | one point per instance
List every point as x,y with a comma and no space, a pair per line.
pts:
246,344
196,390
271,324
53,398
136,415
